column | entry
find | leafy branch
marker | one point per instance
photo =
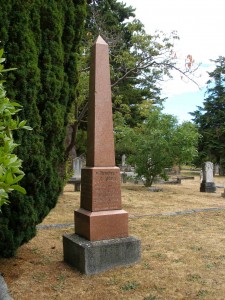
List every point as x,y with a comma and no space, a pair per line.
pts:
10,165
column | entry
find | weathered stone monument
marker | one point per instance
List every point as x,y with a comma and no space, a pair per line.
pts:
207,184
123,160
101,238
223,194
78,164
217,169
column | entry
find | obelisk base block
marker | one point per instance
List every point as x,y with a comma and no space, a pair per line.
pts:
101,225
98,256
100,188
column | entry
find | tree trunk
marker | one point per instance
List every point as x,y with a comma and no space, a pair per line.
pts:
70,141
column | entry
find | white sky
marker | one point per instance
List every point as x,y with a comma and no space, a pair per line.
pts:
200,26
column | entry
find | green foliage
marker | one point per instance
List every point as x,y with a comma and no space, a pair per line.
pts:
10,165
210,118
138,61
158,143
41,39
130,286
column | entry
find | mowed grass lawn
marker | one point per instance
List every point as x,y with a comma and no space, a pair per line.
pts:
183,256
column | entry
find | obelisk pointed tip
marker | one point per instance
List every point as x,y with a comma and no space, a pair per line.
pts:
100,41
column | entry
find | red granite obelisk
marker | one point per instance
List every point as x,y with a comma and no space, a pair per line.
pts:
100,215
101,238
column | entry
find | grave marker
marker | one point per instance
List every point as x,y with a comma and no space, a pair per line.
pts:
207,184
78,163
101,238
123,160
217,169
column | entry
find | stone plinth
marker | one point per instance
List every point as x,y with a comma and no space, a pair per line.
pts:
208,187
94,257
100,188
101,225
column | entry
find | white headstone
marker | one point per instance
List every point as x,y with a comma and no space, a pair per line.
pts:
217,169
207,184
208,172
123,160
78,164
201,175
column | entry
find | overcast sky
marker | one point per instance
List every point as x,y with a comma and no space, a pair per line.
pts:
200,26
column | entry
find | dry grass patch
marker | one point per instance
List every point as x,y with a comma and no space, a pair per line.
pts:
182,256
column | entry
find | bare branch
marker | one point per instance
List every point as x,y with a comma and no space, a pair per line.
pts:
83,112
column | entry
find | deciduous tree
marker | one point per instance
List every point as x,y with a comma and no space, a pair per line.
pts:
158,143
139,63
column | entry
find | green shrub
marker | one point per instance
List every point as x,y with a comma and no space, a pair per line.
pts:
41,39
10,165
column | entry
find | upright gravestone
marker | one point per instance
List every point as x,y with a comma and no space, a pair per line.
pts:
217,169
123,168
123,160
207,184
101,238
78,163
77,166
223,194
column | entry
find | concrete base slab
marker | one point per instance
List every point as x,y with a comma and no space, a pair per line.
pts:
98,256
208,187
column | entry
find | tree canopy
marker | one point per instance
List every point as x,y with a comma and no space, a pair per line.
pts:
139,62
210,118
158,143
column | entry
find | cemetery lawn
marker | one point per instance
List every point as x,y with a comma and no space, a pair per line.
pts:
183,256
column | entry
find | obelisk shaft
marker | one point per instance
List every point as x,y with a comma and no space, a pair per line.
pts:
100,215
100,148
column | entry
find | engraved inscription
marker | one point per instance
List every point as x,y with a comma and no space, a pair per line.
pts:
106,190
100,189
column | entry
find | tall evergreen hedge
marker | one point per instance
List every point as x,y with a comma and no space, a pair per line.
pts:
41,38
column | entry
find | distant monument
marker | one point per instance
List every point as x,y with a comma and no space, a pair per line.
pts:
207,184
217,169
223,194
78,163
123,160
101,238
